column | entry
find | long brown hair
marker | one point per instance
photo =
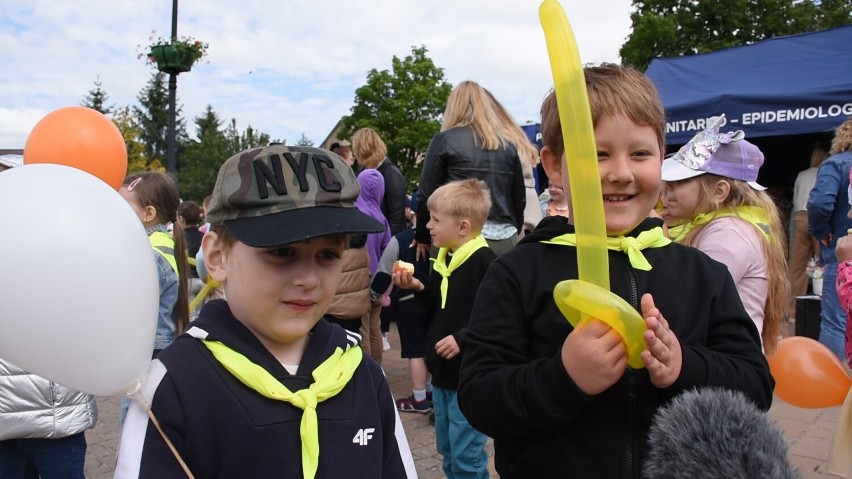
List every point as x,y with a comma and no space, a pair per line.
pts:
160,191
510,130
774,250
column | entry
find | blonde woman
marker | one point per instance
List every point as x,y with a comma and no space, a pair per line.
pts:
473,144
372,153
528,154
711,184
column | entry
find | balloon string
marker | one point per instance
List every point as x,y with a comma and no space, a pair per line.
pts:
171,446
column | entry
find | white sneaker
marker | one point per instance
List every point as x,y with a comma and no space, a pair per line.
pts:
385,342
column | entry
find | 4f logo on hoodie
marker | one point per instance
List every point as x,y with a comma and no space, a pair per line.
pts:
363,435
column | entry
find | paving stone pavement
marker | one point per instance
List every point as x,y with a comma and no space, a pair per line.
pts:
808,431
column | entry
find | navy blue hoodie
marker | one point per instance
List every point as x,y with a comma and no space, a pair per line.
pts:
221,428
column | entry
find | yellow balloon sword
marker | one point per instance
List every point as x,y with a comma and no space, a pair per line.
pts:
589,296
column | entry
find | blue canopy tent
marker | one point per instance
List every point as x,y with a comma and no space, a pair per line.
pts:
792,85
533,132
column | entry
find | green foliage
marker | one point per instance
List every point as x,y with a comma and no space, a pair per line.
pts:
304,141
404,106
200,161
97,98
144,127
152,116
666,28
130,131
187,48
239,141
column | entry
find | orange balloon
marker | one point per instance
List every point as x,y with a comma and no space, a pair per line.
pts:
807,374
82,138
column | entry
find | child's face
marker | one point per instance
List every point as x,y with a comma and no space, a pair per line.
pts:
684,199
445,230
557,194
629,162
279,293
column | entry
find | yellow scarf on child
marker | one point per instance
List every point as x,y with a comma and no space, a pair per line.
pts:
652,238
755,215
459,257
330,377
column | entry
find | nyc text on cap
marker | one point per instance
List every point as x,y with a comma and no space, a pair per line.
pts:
279,194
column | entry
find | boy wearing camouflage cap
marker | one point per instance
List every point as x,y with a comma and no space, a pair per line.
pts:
260,385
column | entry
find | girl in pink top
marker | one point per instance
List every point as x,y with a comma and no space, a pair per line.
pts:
711,185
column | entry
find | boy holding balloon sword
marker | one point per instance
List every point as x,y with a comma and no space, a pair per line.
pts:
260,385
579,399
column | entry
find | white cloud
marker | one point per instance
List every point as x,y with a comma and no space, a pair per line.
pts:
285,68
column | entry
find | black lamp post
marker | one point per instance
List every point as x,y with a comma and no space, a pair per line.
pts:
171,155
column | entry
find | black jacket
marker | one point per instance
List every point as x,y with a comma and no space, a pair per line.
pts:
453,155
515,389
393,203
223,429
461,292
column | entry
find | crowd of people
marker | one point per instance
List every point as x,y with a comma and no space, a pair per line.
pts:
278,372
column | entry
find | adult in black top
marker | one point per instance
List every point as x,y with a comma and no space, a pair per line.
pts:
473,144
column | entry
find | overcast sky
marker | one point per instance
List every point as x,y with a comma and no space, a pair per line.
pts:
284,67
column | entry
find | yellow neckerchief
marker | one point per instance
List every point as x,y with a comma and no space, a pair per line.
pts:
459,256
676,231
753,214
652,238
329,378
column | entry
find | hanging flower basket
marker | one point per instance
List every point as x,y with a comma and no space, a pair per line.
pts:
170,59
175,56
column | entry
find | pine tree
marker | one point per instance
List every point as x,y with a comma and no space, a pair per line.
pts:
152,117
304,141
97,98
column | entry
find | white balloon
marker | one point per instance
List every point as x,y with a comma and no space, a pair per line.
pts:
78,280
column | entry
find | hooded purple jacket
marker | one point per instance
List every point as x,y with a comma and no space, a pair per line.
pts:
369,202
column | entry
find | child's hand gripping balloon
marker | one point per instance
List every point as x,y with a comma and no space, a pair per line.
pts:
589,296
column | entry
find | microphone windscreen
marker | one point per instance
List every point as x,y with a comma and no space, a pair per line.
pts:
715,433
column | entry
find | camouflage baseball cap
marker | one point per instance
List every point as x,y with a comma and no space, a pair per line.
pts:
274,195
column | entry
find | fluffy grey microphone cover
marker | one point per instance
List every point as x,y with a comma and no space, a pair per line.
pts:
715,433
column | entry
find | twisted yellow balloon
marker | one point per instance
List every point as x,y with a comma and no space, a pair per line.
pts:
584,296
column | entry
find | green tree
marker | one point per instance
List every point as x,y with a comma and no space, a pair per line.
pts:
152,115
200,161
136,161
304,141
666,28
97,97
239,141
403,105
201,158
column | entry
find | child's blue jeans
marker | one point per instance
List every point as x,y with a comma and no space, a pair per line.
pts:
462,446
